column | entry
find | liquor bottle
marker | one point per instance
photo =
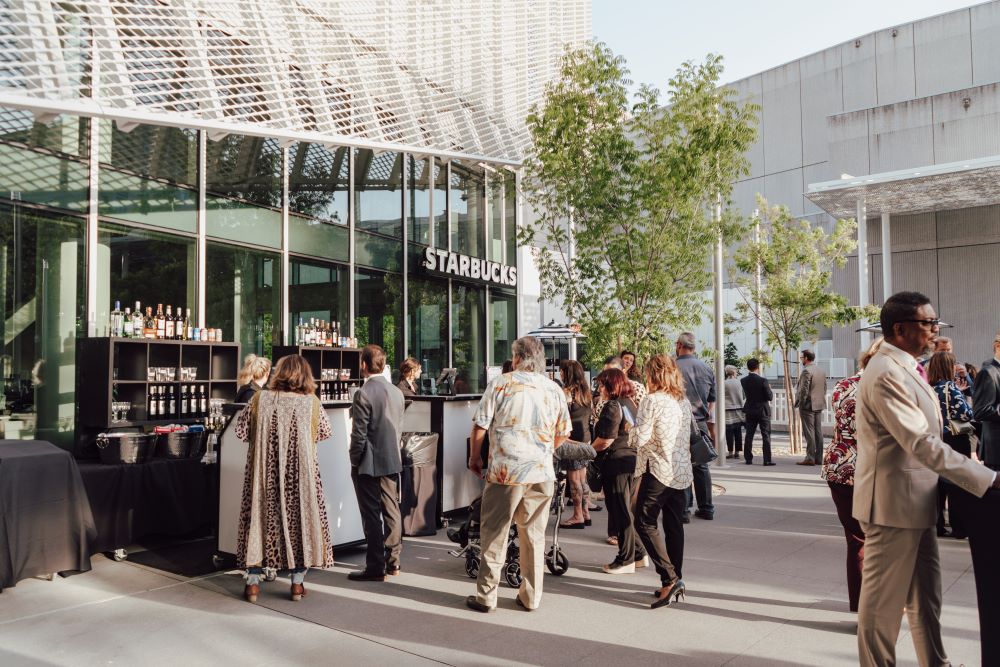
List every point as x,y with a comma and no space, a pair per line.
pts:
117,324
171,401
152,403
336,334
186,325
169,325
298,332
161,402
202,400
149,324
137,321
185,399
161,322
127,331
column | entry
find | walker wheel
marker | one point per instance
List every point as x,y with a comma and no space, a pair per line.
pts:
472,567
556,561
270,574
512,574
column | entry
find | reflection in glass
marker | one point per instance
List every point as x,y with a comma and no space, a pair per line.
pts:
308,236
467,337
243,296
428,312
146,266
468,211
510,217
44,163
418,200
42,292
440,202
494,194
243,189
317,182
378,192
503,315
317,290
378,318
149,175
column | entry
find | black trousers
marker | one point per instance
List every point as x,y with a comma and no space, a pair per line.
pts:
843,499
618,500
963,446
666,553
734,439
752,422
378,502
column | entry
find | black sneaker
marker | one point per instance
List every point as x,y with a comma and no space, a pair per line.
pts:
702,514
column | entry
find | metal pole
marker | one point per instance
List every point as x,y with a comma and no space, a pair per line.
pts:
864,286
757,334
886,259
720,341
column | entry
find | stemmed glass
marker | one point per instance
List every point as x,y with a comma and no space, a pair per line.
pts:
119,410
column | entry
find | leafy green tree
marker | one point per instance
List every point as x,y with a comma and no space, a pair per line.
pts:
732,355
793,297
637,181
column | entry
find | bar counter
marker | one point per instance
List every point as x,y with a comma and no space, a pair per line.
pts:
449,416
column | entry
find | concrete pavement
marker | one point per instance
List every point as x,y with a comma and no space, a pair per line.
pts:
765,587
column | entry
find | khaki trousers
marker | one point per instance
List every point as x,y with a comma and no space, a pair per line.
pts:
901,569
528,506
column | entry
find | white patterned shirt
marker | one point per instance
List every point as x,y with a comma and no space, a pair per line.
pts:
662,440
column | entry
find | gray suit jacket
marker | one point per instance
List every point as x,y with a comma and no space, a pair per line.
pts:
985,401
812,384
377,414
900,450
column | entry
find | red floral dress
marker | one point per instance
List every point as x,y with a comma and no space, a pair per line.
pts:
842,452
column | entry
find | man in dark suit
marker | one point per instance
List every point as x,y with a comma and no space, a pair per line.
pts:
377,414
985,403
757,410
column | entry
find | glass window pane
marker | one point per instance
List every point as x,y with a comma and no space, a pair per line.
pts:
44,163
440,203
468,211
378,251
243,296
243,190
494,193
510,217
503,313
42,293
428,313
317,182
149,175
318,238
378,319
378,192
141,265
418,200
318,290
468,339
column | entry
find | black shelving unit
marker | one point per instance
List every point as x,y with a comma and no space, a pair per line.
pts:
115,369
326,357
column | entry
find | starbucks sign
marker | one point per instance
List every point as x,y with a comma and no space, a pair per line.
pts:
469,268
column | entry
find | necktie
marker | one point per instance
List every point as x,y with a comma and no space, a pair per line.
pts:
922,371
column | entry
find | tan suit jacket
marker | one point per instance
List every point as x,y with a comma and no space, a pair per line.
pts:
900,450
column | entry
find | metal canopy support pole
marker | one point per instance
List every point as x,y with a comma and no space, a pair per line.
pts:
886,259
572,256
757,333
286,336
864,280
720,341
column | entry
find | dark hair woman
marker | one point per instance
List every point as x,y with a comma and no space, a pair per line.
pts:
409,373
283,522
618,466
630,366
941,376
580,402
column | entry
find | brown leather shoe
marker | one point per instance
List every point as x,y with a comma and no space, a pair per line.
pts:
298,592
807,462
250,592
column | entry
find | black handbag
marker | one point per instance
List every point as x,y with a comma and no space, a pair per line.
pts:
594,478
955,427
702,449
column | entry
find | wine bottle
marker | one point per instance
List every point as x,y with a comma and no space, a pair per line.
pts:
161,403
185,400
186,325
202,400
161,322
127,324
171,401
169,325
153,404
149,324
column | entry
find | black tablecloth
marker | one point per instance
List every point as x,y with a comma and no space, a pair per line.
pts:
162,497
980,518
46,524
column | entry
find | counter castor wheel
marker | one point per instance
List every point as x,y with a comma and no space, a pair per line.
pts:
119,555
217,561
270,574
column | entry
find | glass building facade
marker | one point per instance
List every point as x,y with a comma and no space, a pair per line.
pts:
249,235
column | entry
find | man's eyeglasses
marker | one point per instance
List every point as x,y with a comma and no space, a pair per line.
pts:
927,323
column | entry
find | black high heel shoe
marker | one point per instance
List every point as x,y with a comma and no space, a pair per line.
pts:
674,593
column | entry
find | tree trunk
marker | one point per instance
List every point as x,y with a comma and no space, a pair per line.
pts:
793,431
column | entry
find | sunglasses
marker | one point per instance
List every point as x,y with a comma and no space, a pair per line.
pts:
926,323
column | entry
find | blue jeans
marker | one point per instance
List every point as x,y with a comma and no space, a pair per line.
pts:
254,575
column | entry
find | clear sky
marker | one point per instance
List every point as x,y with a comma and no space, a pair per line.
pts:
655,36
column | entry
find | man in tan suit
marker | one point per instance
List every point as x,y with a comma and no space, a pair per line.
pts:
810,399
900,455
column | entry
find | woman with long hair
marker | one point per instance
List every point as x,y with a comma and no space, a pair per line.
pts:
580,401
618,466
662,441
409,374
283,521
954,407
252,377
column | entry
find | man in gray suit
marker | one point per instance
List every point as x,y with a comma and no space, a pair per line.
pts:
986,404
900,455
377,414
810,399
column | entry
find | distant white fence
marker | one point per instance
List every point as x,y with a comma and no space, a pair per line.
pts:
779,410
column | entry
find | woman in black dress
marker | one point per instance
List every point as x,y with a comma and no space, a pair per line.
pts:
580,402
253,376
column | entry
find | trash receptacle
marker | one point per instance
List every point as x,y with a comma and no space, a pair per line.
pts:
418,483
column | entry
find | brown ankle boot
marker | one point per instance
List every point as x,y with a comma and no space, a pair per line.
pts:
298,592
250,592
